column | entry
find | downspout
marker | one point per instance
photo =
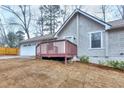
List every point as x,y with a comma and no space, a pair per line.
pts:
77,33
106,49
107,41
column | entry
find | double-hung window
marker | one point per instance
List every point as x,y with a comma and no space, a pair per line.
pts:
96,40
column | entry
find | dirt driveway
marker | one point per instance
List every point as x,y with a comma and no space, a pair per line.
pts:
37,73
12,56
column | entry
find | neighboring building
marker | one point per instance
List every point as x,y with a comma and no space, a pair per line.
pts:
92,37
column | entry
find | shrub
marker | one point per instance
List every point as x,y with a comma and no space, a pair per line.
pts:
115,64
84,59
121,65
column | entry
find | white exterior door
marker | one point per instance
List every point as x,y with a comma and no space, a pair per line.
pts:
28,50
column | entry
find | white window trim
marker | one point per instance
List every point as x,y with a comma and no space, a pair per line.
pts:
101,39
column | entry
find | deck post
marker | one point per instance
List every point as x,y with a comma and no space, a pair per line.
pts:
65,60
41,57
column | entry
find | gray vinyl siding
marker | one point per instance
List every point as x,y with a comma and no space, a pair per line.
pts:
85,26
116,42
69,30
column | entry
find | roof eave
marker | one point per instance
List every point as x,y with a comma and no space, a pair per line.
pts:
36,40
95,19
107,26
56,34
115,28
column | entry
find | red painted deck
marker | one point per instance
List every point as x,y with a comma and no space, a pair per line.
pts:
56,48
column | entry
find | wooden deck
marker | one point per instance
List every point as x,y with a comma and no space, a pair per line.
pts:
56,48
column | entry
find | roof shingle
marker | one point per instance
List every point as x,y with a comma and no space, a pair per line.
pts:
116,24
39,38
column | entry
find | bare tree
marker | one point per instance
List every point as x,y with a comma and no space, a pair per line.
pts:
3,36
65,12
25,19
121,10
103,8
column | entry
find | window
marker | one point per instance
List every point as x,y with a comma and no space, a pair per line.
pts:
96,40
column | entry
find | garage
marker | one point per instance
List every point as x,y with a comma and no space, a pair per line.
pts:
27,49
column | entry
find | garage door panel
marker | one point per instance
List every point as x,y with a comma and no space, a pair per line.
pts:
27,51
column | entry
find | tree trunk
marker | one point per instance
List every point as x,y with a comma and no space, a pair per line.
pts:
27,32
104,12
123,12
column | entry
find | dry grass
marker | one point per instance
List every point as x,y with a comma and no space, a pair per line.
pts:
37,73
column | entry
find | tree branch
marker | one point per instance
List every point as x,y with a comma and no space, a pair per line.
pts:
12,11
120,11
29,20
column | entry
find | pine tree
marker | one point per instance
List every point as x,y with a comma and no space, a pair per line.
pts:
49,18
12,39
20,35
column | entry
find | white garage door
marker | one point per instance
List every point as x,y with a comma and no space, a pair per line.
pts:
27,50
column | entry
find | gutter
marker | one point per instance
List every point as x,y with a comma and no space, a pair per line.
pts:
114,28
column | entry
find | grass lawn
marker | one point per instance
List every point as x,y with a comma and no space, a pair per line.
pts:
44,73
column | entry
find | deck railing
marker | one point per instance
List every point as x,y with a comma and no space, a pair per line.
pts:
57,48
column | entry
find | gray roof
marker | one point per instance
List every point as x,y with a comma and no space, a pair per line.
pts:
39,38
116,24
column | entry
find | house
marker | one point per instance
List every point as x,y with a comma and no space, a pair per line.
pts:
83,34
116,40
